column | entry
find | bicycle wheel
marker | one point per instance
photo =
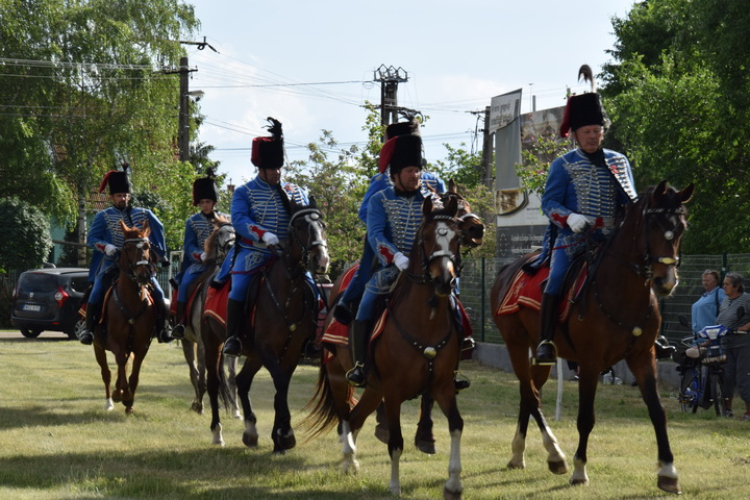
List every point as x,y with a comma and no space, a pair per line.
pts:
718,394
689,390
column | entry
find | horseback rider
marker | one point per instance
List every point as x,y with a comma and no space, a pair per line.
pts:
585,192
345,308
105,237
198,228
260,216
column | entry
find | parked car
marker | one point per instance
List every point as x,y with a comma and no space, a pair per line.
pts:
48,299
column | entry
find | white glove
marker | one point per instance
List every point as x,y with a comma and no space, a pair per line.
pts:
110,250
401,261
577,222
204,256
269,238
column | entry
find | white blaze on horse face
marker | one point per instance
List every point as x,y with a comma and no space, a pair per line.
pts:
445,234
320,260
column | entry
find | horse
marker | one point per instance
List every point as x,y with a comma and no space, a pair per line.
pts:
283,318
217,247
130,318
618,318
416,353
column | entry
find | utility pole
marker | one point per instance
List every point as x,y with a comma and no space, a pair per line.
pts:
389,78
486,178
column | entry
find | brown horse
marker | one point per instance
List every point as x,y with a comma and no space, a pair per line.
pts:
217,247
283,320
417,352
130,318
618,319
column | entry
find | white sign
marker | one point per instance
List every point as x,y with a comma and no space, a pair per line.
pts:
504,109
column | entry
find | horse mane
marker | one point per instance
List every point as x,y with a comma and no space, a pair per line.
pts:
209,245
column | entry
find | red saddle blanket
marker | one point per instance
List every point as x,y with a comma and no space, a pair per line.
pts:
216,304
526,290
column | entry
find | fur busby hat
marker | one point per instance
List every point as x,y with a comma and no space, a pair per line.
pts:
399,152
205,188
410,127
268,152
584,109
118,181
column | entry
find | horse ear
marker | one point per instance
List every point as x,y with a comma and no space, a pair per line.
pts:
687,194
661,188
124,227
146,229
427,206
452,187
313,203
452,207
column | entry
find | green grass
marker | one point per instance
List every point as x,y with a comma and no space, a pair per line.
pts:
57,442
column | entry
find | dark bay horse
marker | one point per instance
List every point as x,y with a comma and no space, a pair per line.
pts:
618,319
130,318
217,247
417,352
283,320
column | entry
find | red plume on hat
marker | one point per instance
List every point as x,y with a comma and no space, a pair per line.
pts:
268,152
118,181
399,152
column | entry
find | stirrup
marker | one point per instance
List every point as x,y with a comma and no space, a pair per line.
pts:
178,332
460,383
356,376
86,337
546,353
232,346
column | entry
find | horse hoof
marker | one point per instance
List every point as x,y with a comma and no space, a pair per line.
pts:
559,467
197,408
129,410
109,405
451,495
250,440
382,434
238,415
427,447
579,481
669,484
516,465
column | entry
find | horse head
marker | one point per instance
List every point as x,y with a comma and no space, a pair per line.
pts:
307,237
221,239
470,225
662,215
135,257
438,244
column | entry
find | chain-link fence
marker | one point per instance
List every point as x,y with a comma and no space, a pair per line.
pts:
478,275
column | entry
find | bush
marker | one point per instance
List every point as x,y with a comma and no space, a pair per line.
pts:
26,240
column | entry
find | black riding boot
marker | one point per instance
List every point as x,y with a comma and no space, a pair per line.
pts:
342,312
178,332
359,337
93,313
546,352
163,330
235,315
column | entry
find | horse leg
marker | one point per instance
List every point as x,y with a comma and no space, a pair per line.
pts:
644,369
101,358
213,359
135,372
121,386
555,457
188,350
448,404
231,364
244,381
395,443
367,404
424,439
588,379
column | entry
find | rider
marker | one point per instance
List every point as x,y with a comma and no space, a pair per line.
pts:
260,216
585,191
198,228
394,215
106,238
345,307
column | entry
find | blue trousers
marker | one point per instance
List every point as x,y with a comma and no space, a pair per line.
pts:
356,287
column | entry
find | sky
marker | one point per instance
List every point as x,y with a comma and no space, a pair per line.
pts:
311,65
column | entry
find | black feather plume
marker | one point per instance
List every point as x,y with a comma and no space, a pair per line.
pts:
588,76
275,128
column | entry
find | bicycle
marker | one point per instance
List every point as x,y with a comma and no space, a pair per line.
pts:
701,384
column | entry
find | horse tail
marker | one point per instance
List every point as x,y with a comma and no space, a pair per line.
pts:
225,395
322,406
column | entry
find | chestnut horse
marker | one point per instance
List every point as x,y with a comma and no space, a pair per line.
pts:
283,319
416,353
217,247
130,318
618,319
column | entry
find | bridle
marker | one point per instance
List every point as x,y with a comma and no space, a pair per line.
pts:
428,256
141,246
315,225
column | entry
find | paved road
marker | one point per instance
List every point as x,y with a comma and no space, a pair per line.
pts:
15,334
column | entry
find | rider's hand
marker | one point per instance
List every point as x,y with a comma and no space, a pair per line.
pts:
204,256
401,261
110,250
269,238
577,222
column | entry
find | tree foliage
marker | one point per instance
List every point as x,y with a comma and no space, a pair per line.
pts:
679,96
26,240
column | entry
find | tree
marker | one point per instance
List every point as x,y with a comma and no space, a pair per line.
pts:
26,240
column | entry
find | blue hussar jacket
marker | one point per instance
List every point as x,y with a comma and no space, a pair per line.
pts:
392,223
198,227
382,181
576,185
105,229
258,207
